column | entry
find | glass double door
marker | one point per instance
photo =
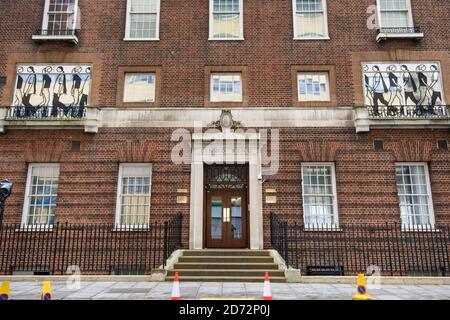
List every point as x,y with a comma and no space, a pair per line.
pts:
226,219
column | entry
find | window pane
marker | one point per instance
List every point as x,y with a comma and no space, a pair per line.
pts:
226,26
135,195
42,194
143,26
61,16
226,5
394,19
318,194
144,6
413,194
313,86
139,87
310,19
226,87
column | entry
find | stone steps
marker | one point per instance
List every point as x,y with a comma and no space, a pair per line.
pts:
226,266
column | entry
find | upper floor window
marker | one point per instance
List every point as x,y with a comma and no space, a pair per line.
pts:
407,88
395,14
60,17
310,19
414,191
142,20
41,194
133,197
226,87
226,20
319,195
313,86
139,87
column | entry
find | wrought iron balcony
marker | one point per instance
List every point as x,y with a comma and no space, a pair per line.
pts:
409,112
70,35
399,33
45,113
50,117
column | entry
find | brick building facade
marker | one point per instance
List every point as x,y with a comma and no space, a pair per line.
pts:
361,144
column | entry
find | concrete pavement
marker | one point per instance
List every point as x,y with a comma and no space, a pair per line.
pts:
197,290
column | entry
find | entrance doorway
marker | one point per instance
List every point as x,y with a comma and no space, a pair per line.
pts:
226,206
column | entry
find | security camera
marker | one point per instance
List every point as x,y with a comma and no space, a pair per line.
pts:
260,178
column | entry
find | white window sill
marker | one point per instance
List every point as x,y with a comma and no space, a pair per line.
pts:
419,229
120,228
323,228
43,228
226,101
70,38
311,38
386,36
141,39
226,39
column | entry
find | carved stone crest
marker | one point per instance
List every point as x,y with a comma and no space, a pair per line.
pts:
226,122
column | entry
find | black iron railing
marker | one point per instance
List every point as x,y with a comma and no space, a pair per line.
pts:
93,249
56,32
46,113
397,30
409,112
391,249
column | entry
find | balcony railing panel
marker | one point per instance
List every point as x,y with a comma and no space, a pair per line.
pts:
56,32
46,113
409,112
400,30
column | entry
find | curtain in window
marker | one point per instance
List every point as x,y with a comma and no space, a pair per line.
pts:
394,13
226,19
318,195
310,19
413,194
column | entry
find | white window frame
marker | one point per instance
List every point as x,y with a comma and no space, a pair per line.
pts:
212,87
325,21
119,197
408,227
26,203
128,23
410,16
327,86
211,23
46,10
335,224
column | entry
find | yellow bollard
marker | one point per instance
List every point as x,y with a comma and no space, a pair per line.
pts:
361,289
5,293
46,291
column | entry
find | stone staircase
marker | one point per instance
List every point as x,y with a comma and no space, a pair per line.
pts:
226,266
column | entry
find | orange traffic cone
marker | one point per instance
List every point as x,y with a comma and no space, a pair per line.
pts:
176,288
267,291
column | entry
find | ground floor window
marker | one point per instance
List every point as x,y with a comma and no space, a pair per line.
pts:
414,193
41,194
133,197
319,195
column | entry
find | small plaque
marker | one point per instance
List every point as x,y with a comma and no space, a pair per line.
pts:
182,191
182,199
271,199
271,190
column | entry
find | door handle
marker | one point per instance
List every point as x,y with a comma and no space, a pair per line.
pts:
226,215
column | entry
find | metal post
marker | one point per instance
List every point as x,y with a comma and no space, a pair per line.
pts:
165,249
285,227
2,208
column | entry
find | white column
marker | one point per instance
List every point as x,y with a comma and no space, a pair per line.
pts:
196,212
255,191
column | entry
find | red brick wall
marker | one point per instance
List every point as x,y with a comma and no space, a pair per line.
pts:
366,184
184,49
